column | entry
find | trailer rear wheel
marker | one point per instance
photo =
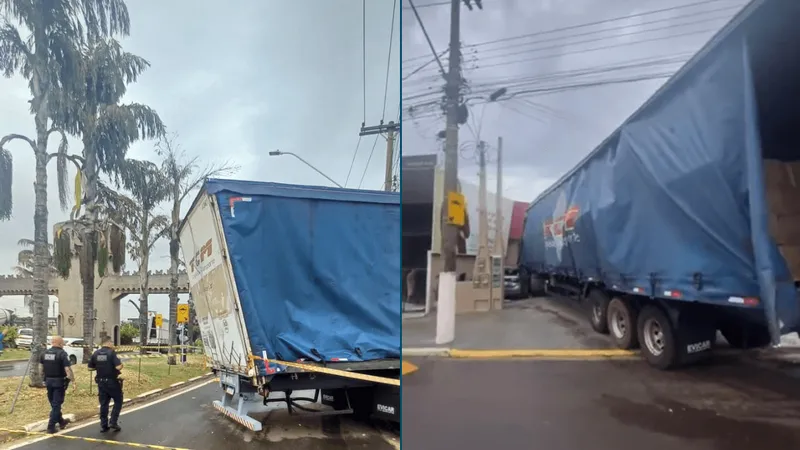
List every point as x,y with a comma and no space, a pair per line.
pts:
658,339
536,286
622,324
598,310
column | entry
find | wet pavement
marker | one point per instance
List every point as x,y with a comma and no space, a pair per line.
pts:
567,405
12,368
541,323
189,421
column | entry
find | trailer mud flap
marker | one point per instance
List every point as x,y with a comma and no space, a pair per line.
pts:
386,403
695,337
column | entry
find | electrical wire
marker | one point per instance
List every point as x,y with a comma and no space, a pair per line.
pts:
388,62
364,82
428,5
554,89
593,49
489,85
371,152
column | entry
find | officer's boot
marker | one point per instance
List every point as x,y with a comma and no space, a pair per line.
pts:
63,424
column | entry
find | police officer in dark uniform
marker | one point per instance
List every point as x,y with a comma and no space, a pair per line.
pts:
109,383
57,376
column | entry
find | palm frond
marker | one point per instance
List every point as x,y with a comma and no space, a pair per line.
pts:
6,178
15,53
119,126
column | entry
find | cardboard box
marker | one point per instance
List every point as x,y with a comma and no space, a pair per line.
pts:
778,173
791,253
785,229
783,200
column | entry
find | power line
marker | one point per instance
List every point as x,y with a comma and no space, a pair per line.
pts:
364,56
598,22
427,37
492,84
553,89
589,41
585,25
388,63
364,81
374,144
427,5
624,27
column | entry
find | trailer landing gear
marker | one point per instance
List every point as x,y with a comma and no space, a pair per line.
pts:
239,412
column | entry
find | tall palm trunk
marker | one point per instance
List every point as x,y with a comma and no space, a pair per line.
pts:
88,266
41,254
173,268
144,282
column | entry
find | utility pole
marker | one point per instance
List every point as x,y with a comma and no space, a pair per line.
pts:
481,270
390,129
499,239
446,307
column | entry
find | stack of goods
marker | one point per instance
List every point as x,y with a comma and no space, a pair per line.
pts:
782,182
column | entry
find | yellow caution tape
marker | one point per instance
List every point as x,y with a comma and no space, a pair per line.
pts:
94,440
329,371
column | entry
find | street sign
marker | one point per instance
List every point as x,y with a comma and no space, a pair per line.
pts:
183,313
159,320
456,208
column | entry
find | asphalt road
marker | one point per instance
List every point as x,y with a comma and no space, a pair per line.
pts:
567,405
189,421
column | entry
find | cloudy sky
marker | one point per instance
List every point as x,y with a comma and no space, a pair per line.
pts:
236,82
542,45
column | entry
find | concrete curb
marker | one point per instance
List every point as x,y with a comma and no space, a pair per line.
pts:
12,361
518,353
427,351
41,426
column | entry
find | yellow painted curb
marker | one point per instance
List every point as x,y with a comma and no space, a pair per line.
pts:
543,353
409,368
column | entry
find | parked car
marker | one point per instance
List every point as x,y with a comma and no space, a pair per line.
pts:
24,338
74,348
514,285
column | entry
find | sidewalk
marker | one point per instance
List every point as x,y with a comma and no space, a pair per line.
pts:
537,323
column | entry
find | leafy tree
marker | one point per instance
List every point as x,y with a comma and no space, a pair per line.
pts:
147,187
49,58
107,129
184,175
127,332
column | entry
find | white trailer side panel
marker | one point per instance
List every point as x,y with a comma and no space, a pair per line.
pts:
213,290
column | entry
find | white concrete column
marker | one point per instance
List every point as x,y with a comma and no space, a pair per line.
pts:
446,309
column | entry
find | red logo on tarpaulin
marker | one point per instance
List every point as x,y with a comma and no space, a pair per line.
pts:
557,226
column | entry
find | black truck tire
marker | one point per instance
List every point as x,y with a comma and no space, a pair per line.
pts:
746,336
597,302
657,337
536,286
622,324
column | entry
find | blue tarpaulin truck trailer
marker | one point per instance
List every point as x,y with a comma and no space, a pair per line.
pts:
687,219
297,288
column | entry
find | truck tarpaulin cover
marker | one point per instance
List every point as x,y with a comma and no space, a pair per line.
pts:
678,191
316,268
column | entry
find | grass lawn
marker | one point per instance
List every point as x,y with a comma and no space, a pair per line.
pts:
82,401
15,354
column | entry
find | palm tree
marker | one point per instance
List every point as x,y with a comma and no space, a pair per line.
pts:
24,267
184,175
148,187
49,59
107,130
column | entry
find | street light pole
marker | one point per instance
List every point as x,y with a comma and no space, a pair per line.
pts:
280,153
